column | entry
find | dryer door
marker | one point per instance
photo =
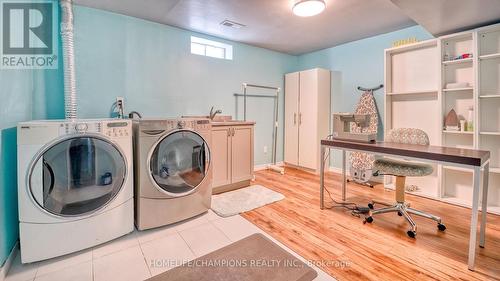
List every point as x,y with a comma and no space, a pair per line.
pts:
179,162
77,176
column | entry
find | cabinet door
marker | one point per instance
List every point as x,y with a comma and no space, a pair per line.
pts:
291,118
221,156
308,120
242,153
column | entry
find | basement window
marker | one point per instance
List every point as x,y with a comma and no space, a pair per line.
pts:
210,48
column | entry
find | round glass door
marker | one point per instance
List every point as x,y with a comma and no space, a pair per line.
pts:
179,162
77,176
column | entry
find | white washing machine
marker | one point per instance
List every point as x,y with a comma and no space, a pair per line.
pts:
75,185
173,178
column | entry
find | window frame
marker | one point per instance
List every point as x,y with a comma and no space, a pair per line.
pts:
227,50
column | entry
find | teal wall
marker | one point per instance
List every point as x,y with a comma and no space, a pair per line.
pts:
151,66
24,95
361,64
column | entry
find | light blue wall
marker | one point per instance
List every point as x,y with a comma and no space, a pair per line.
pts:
361,64
151,66
24,95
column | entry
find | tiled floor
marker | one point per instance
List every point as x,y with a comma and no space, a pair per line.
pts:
140,255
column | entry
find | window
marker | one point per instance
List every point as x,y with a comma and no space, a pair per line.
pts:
209,48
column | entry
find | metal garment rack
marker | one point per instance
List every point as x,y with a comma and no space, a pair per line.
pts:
245,87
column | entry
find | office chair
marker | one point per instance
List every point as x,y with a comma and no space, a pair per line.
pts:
401,170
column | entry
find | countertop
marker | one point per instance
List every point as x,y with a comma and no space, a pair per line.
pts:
232,123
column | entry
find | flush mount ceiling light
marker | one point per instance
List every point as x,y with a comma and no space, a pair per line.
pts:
308,8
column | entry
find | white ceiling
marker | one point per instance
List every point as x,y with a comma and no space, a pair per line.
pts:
269,23
447,16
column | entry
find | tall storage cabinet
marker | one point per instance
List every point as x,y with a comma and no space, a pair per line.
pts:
307,116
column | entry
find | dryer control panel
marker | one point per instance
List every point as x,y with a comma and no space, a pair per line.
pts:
110,128
80,127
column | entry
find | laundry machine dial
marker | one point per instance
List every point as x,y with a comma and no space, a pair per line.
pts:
81,127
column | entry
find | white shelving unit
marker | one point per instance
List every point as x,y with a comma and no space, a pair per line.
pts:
488,76
410,90
456,183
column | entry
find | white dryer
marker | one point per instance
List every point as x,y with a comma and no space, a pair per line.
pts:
173,177
75,185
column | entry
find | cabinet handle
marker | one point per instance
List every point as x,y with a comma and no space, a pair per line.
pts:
229,132
300,118
234,131
295,118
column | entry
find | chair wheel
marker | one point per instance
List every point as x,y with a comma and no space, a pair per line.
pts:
369,219
441,227
400,214
370,205
411,233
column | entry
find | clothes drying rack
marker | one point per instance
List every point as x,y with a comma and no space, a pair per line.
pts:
245,86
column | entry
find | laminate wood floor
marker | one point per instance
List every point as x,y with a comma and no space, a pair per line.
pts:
347,249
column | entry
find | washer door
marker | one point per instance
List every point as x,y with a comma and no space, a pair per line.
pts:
77,176
179,163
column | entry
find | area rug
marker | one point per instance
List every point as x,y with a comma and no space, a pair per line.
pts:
244,199
254,258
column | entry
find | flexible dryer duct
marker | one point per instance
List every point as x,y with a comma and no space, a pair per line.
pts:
68,59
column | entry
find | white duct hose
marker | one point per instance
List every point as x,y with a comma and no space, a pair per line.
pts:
68,59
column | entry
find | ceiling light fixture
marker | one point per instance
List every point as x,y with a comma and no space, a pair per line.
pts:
308,8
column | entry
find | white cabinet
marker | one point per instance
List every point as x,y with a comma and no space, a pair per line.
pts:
232,157
307,116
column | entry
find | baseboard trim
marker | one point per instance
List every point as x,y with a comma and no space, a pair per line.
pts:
8,262
261,167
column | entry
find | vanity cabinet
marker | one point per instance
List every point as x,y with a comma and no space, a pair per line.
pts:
232,155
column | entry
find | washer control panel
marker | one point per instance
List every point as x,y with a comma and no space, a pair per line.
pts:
203,124
117,129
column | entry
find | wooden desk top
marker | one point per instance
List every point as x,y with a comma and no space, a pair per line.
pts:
470,157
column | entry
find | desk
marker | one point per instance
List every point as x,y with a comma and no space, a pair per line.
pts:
465,158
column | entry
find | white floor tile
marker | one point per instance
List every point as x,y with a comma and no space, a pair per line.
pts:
204,239
190,223
155,233
166,253
59,263
21,272
79,272
124,265
212,216
236,227
122,243
322,276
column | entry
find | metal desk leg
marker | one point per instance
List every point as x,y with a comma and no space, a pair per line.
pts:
343,175
473,220
322,177
484,206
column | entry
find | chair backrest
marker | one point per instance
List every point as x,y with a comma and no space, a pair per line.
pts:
407,135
